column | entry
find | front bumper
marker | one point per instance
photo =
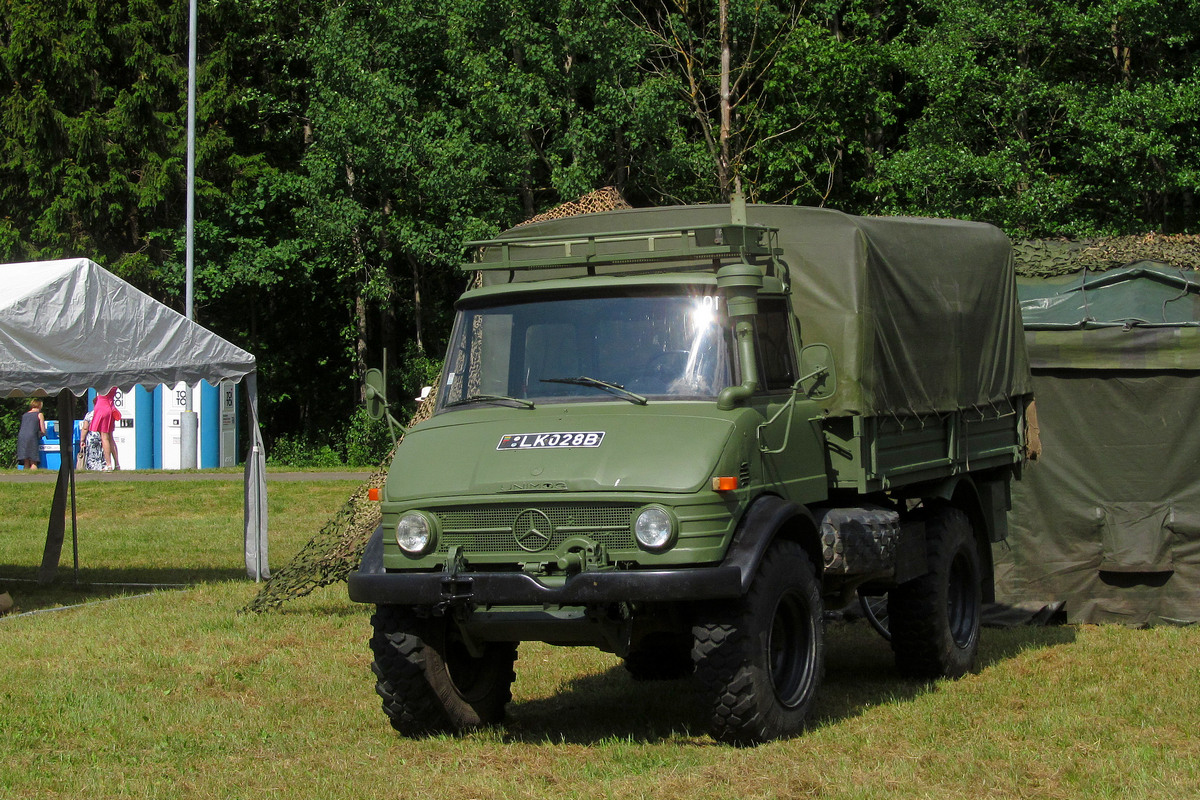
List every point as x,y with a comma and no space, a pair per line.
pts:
519,589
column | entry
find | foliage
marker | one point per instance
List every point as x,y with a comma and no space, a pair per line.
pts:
828,110
360,442
298,451
1048,118
345,152
366,440
10,423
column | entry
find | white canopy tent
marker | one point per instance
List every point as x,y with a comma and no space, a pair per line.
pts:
69,326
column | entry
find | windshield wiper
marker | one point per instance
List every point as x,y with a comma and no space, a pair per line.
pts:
490,398
613,388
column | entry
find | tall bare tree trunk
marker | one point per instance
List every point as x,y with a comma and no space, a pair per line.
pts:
360,335
723,165
418,327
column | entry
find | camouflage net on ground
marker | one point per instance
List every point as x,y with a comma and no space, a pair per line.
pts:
336,551
1049,257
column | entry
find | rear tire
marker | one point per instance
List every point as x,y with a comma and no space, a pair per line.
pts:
934,620
429,682
761,658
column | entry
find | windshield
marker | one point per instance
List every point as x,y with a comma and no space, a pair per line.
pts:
572,349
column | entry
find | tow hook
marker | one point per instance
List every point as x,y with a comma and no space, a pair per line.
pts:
458,591
582,554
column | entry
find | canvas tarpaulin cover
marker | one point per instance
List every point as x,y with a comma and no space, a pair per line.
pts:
70,325
921,314
1108,520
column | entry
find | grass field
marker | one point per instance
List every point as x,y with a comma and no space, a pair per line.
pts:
172,693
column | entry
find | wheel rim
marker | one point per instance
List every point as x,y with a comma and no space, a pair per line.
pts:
961,601
875,609
790,652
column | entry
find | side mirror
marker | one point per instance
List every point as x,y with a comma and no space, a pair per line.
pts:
375,397
375,394
819,380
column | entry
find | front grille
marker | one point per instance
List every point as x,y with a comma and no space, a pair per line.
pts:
496,528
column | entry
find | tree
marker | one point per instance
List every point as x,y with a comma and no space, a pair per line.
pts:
829,107
717,58
1038,116
90,102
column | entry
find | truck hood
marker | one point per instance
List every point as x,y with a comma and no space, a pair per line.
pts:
664,447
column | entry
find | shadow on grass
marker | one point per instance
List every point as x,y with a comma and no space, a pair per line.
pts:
93,584
859,676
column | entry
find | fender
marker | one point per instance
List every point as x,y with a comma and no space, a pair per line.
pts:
768,515
372,558
961,492
985,502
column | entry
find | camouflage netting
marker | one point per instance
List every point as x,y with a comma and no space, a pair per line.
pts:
336,551
1040,258
331,555
606,199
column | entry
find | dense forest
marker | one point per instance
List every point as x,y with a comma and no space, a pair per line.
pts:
346,150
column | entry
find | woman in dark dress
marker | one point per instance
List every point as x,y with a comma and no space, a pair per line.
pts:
29,435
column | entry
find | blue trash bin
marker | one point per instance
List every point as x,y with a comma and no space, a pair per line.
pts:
49,456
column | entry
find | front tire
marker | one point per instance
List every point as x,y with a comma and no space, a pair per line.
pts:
934,620
428,680
761,658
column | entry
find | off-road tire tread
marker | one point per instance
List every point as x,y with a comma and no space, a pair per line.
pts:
411,701
920,640
720,643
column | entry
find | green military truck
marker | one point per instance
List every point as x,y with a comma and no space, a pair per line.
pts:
679,435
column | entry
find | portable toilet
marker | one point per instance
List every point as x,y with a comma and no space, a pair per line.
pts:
133,433
216,410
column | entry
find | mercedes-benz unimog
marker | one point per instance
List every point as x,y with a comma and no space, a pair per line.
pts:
679,435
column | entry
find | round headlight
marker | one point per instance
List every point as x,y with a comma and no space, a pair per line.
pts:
654,528
414,534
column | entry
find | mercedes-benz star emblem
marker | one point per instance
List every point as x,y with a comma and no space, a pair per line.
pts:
533,530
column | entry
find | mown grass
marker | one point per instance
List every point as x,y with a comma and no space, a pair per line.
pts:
175,694
175,532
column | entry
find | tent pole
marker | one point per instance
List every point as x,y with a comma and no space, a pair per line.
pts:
58,507
255,489
70,405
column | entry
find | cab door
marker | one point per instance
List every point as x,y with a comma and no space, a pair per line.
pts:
790,445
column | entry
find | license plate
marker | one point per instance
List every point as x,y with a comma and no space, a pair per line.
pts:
540,441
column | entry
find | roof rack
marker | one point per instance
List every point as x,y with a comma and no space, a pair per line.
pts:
707,245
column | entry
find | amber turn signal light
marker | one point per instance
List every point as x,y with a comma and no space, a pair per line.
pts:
374,494
726,484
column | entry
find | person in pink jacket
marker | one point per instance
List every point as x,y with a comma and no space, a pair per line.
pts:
104,419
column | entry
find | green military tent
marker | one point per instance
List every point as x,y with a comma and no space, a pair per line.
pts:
1107,520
